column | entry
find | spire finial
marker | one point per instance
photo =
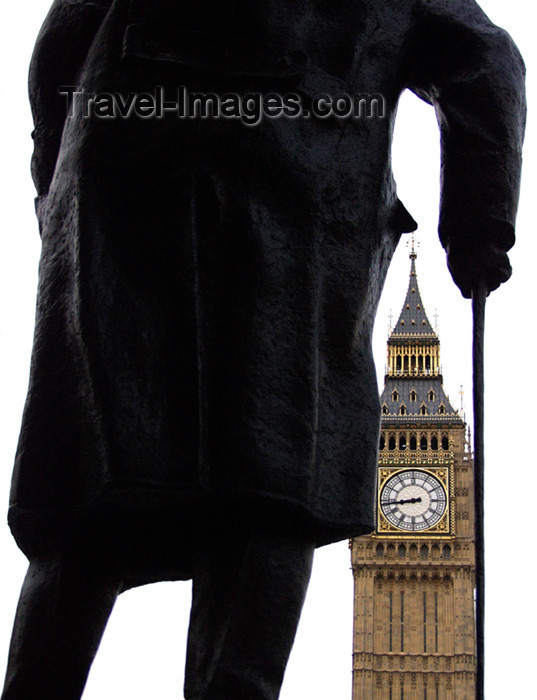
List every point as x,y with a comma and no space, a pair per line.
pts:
413,248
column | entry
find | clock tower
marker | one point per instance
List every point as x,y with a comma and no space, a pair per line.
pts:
414,630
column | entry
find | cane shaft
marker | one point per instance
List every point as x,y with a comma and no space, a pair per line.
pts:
478,307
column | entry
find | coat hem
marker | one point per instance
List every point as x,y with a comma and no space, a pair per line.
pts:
159,529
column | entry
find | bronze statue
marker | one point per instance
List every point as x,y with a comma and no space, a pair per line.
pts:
203,401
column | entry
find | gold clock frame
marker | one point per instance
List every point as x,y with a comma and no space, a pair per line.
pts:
444,528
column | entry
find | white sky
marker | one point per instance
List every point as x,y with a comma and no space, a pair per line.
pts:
142,654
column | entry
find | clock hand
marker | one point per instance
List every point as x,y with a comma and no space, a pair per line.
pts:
400,503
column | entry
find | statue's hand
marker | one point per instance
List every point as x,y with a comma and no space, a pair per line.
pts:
486,264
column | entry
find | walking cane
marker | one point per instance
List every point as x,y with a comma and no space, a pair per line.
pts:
479,295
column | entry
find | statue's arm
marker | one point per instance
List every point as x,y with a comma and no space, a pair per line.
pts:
60,50
473,74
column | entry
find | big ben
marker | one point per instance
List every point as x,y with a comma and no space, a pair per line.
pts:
414,626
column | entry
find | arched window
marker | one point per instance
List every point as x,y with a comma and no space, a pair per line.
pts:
427,362
431,396
434,442
382,442
402,409
402,441
405,363
413,442
423,442
446,552
395,395
401,551
384,409
380,550
424,551
413,395
423,410
391,442
398,363
441,409
445,442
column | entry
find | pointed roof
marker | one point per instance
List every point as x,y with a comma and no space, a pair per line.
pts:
413,320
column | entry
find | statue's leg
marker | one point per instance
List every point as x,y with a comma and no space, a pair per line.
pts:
63,609
247,600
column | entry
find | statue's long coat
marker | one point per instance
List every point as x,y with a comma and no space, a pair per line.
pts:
208,289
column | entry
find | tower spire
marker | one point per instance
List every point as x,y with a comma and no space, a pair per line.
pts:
413,345
413,320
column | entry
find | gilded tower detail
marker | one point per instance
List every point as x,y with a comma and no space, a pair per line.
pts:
414,629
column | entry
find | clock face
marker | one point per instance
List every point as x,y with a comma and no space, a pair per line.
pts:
413,500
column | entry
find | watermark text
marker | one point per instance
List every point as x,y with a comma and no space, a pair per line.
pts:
251,108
